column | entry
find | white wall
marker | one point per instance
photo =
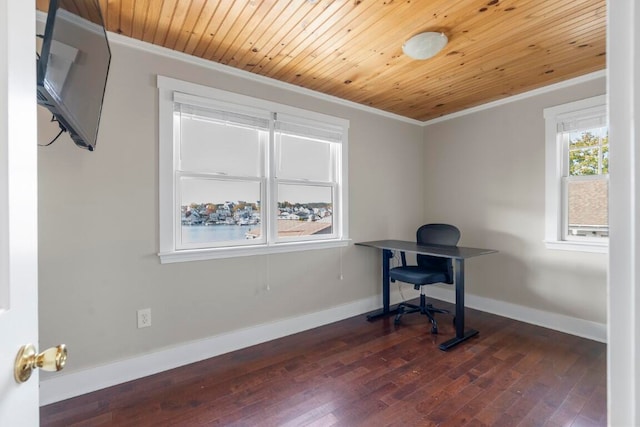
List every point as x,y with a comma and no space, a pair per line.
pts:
99,226
485,172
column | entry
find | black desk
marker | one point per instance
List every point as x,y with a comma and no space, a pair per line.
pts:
456,253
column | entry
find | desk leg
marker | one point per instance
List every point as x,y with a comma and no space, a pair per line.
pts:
461,334
386,258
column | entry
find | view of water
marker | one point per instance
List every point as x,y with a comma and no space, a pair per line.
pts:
214,233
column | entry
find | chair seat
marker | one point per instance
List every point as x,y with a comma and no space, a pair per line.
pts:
416,275
429,270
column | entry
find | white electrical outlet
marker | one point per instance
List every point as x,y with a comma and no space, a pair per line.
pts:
144,317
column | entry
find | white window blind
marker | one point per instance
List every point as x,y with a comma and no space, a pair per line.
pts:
303,128
583,120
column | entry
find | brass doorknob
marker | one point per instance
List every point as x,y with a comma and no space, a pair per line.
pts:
52,359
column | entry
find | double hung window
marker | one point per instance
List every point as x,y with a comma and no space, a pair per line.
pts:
242,176
577,175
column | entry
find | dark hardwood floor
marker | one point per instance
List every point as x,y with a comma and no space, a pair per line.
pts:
357,373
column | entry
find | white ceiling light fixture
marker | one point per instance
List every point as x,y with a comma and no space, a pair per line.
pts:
424,45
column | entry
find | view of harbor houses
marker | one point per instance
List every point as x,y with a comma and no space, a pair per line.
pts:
203,222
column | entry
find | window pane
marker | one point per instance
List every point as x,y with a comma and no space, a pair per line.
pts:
302,158
587,208
207,145
304,210
587,138
584,161
589,152
214,210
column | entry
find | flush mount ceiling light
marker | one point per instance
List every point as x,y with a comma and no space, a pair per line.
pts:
424,45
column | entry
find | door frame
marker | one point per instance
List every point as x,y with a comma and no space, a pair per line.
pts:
19,403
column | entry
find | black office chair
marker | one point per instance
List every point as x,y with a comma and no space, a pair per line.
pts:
429,270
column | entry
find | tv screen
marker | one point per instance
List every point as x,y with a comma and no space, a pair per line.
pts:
73,67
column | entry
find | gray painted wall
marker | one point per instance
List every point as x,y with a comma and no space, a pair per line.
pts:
485,172
98,223
98,226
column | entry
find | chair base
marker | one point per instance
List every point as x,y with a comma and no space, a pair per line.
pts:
424,308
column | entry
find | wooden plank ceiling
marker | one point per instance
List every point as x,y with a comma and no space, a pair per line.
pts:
352,49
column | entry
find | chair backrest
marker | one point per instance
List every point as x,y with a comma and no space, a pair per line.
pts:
437,234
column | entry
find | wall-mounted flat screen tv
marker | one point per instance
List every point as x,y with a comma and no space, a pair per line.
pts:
73,67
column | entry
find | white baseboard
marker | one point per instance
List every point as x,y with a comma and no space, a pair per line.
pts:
559,322
61,386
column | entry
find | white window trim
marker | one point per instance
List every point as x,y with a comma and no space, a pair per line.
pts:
554,235
167,157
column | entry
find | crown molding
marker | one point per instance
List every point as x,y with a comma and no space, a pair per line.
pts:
535,92
236,72
119,39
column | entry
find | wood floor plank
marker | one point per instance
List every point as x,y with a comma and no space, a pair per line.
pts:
359,373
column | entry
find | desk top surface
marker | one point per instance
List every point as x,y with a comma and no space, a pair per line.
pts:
453,252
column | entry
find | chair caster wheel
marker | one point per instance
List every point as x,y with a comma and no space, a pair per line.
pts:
434,330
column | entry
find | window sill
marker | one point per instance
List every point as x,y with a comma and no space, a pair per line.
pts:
600,248
207,254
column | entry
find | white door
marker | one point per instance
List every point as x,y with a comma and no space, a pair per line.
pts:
18,208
